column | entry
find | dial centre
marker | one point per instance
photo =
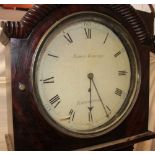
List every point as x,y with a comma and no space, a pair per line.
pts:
90,75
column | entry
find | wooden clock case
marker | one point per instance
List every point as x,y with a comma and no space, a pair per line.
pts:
30,130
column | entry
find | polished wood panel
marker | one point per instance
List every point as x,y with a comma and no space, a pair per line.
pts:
121,144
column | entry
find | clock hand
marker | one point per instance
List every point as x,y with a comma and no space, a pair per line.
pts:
92,79
90,76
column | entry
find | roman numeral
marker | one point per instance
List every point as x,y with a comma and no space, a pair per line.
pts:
55,100
48,80
108,108
117,54
71,114
68,38
90,116
118,92
120,73
106,38
88,32
108,111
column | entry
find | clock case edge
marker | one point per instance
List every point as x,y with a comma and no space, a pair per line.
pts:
23,119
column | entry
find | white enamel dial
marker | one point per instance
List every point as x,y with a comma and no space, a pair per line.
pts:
83,76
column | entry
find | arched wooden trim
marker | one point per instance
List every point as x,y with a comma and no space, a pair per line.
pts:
22,29
134,20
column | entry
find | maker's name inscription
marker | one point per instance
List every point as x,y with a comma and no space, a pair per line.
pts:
88,56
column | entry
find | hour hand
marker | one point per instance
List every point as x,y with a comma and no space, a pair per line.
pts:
90,116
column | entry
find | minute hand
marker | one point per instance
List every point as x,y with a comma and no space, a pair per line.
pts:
100,98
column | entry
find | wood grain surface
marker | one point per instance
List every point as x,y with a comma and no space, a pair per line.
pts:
3,118
29,123
5,15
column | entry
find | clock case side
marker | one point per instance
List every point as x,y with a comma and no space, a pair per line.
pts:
31,131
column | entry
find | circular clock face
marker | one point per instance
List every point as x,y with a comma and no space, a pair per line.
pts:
86,75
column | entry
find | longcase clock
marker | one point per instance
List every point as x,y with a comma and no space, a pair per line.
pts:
80,77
